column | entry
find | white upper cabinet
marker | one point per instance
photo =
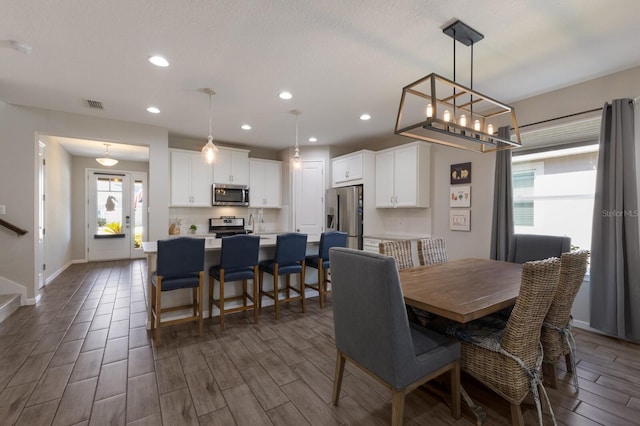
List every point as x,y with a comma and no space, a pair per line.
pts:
191,179
265,183
402,176
348,169
231,166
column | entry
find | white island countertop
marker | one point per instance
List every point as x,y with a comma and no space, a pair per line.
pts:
212,243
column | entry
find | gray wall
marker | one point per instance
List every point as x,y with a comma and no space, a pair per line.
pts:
21,127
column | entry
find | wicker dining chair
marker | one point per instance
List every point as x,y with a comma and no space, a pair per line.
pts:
556,337
508,360
400,250
432,251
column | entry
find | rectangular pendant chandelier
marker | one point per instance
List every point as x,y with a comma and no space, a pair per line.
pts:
442,111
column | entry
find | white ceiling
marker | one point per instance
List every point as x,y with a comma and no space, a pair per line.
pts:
339,58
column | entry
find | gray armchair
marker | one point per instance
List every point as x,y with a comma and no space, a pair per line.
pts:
373,332
527,247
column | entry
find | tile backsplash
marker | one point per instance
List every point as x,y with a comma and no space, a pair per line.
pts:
199,216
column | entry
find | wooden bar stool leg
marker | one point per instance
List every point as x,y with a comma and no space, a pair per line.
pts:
201,303
256,295
194,300
261,291
288,287
211,285
302,287
275,290
158,309
320,283
221,303
244,293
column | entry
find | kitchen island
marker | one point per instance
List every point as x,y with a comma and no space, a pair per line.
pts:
212,247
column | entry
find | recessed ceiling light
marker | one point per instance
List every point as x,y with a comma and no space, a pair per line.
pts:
245,127
312,139
159,61
285,95
153,110
365,117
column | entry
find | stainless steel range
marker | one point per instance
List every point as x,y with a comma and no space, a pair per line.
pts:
225,226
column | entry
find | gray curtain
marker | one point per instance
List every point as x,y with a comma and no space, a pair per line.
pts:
502,221
615,250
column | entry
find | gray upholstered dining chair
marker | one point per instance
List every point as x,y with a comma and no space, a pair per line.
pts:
527,247
556,336
373,332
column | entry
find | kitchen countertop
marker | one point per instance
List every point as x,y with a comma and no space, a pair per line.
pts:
397,236
212,243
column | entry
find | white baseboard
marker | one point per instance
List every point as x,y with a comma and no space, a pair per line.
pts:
10,287
56,273
585,326
33,301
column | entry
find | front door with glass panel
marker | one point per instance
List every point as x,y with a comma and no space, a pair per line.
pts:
115,215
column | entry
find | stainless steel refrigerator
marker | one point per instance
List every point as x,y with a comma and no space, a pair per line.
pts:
344,213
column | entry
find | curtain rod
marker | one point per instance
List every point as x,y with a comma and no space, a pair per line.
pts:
559,118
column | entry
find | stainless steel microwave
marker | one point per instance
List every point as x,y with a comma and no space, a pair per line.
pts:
229,195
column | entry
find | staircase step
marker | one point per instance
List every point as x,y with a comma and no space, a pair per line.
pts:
9,303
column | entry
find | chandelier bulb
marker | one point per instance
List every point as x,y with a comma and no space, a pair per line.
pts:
447,115
429,111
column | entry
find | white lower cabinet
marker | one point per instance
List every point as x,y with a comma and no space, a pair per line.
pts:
371,245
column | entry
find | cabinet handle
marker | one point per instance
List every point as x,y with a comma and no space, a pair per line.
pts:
346,174
230,178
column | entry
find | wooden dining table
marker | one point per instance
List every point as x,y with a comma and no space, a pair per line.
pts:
464,289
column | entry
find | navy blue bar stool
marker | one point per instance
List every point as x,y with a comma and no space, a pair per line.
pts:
180,264
290,253
321,260
238,261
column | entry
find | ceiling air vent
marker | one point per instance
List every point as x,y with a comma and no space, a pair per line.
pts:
94,104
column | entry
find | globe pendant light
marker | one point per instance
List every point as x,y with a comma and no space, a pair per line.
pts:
106,160
209,150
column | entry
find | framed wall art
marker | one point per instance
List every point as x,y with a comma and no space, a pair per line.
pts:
460,220
460,196
460,173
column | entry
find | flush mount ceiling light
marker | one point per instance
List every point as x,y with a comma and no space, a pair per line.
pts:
245,127
18,46
285,95
153,110
365,117
106,160
159,61
436,109
312,139
209,150
296,160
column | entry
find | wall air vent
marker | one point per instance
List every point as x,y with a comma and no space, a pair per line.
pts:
94,104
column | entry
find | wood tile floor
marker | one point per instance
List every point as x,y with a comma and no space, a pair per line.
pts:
83,356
